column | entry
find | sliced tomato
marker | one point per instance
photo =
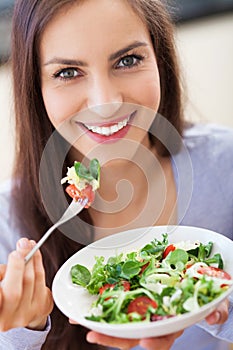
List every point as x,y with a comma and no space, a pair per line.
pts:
168,249
143,268
105,287
73,192
125,284
214,272
141,305
76,194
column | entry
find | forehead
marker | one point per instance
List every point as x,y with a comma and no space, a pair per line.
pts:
93,23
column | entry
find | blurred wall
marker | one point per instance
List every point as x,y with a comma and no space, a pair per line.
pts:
206,53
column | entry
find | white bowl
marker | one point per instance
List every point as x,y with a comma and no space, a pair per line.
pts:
75,302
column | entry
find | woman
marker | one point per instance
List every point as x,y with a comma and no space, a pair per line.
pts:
93,75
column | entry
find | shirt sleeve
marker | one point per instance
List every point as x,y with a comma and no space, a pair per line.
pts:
17,338
23,338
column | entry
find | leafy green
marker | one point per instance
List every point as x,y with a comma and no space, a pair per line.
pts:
177,259
216,259
155,247
204,251
80,275
171,282
93,173
95,169
98,276
130,269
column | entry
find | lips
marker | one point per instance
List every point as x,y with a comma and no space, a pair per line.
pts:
110,131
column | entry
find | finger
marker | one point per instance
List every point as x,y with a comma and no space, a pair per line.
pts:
2,271
72,321
23,247
41,292
162,343
220,315
101,339
12,283
39,272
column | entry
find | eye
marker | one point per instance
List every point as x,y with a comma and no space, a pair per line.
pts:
67,73
129,61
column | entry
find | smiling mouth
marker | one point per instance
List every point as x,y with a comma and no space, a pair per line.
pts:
109,130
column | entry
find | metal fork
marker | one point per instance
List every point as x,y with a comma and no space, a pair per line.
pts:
74,208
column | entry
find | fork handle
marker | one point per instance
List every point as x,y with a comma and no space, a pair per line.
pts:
74,208
40,242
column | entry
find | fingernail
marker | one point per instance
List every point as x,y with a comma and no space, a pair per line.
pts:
90,338
33,243
217,316
23,243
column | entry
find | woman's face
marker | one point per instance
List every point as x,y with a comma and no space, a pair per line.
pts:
99,75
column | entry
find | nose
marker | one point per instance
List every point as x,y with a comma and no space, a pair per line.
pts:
104,96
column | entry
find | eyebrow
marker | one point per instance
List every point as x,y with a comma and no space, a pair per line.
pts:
73,62
130,47
65,61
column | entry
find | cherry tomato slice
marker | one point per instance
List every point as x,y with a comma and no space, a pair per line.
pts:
214,272
168,249
73,192
125,284
143,268
140,305
76,194
105,287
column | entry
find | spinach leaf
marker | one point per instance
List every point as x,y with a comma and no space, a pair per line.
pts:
130,269
95,169
177,258
80,275
89,174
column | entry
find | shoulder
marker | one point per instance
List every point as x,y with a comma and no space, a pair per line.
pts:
210,142
208,133
9,233
210,150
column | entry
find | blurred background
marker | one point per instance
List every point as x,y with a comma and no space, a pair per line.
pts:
204,33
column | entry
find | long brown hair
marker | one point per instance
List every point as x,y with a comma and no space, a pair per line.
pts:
33,130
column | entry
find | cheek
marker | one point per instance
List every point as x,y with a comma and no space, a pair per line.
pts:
146,91
60,105
151,94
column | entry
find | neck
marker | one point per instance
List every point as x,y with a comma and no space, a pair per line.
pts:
121,175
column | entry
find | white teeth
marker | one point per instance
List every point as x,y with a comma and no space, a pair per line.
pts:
108,130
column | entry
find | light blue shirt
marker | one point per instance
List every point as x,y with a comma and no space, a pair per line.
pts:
203,173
